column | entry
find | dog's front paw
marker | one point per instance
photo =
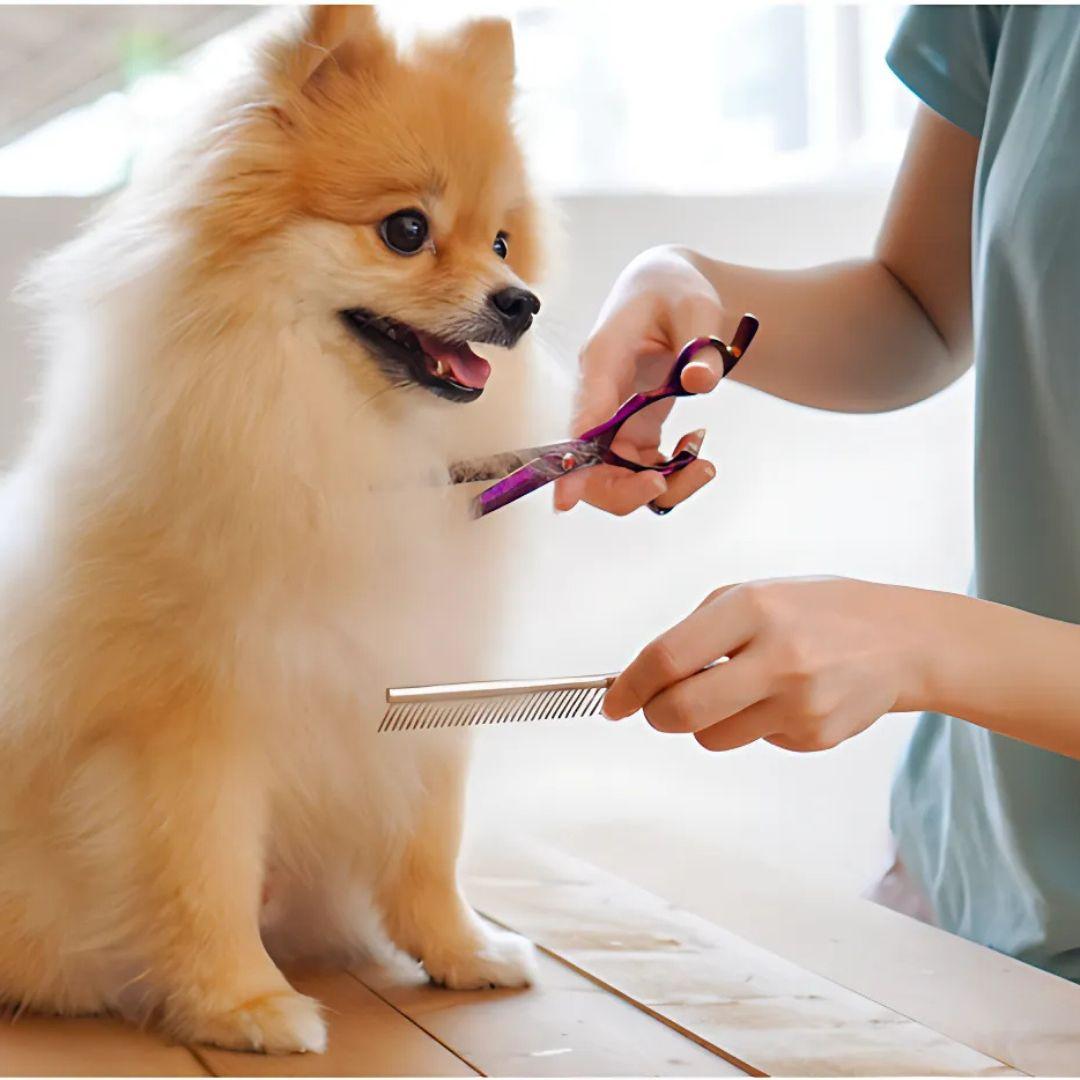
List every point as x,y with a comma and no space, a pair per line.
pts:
283,1022
498,959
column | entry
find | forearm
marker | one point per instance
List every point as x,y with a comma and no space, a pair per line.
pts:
1002,668
848,336
877,333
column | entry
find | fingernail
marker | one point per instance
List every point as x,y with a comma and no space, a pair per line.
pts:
695,439
659,483
709,469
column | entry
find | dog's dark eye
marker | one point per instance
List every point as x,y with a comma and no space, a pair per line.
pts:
501,245
405,231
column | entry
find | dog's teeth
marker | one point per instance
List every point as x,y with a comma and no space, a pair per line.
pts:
442,369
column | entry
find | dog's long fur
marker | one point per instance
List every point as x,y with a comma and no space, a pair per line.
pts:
223,542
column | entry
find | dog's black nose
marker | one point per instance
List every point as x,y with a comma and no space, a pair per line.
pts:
515,308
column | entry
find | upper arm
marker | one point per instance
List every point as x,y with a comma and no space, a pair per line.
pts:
925,239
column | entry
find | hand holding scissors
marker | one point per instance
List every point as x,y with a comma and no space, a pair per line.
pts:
527,470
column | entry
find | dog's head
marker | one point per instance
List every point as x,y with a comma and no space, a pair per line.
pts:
391,190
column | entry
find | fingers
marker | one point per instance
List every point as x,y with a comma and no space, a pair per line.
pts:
683,484
712,696
597,398
758,721
717,628
606,375
570,490
618,491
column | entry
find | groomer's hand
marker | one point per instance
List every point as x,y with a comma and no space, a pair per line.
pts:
656,305
813,661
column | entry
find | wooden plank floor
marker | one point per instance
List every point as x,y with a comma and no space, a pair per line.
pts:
761,1010
386,1023
630,985
1007,1009
368,1037
49,1046
565,1026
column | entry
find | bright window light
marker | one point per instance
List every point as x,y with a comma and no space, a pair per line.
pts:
705,98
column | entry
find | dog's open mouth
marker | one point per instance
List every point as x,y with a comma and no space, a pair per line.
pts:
448,368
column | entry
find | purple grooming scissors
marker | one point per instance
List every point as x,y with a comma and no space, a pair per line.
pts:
522,471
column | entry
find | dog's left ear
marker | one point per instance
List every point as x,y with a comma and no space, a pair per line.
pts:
327,41
485,49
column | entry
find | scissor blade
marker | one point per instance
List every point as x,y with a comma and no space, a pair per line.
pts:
496,466
557,461
491,467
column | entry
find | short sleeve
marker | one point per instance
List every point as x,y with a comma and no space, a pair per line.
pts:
945,55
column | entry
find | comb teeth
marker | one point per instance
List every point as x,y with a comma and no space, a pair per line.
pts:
473,705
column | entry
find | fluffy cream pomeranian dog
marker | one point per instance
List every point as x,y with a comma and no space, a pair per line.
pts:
227,537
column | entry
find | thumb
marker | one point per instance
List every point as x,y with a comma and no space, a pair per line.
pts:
699,318
703,372
706,369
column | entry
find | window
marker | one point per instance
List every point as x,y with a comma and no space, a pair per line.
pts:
710,98
705,98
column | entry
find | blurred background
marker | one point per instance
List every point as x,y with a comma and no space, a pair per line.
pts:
765,133
703,98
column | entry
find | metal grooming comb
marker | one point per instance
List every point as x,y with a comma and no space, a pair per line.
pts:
416,708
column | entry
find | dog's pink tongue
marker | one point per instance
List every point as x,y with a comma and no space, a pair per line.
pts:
468,369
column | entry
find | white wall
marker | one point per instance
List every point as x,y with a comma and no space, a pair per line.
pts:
884,497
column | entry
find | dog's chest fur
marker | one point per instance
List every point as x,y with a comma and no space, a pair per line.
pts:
420,598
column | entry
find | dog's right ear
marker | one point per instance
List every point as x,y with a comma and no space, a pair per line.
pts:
330,40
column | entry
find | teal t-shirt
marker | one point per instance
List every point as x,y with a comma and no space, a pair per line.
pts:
989,826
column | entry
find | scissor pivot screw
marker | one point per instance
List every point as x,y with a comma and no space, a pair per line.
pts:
568,462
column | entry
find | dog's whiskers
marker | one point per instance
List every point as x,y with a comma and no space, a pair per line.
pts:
403,384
